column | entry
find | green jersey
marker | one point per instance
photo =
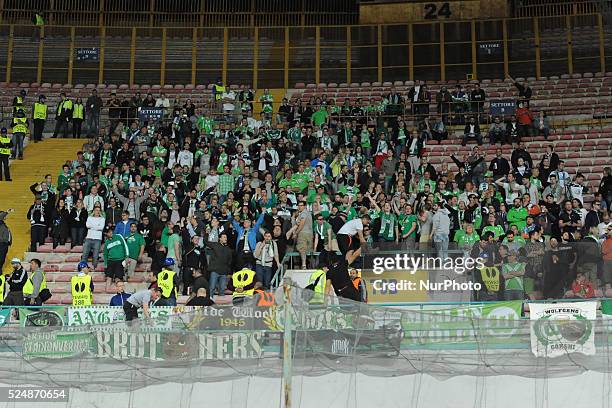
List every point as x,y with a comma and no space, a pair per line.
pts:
320,117
497,230
205,125
266,103
515,283
115,249
174,238
365,139
407,221
156,152
134,242
295,134
464,240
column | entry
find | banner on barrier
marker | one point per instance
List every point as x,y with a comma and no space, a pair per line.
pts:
104,315
562,328
441,326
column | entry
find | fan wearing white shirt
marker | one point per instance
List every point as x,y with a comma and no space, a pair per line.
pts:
185,157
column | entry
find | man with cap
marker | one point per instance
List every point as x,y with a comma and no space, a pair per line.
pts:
6,145
82,286
39,117
16,282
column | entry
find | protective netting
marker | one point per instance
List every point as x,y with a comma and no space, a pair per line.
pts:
226,343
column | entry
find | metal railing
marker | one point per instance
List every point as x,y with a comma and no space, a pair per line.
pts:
279,57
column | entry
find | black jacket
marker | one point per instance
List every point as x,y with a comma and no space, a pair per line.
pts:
221,258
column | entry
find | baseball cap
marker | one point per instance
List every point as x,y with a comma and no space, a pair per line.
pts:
15,261
3,131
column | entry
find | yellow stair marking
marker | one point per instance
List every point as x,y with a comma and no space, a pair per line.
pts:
39,159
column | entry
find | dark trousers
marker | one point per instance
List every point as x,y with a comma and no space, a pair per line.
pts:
38,234
4,168
14,299
131,311
39,127
77,235
4,246
76,128
61,126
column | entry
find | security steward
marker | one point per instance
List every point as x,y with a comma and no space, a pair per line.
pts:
218,91
35,285
82,286
39,117
244,285
63,116
2,286
5,152
20,128
168,282
317,282
18,101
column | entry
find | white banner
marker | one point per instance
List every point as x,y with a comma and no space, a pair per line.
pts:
562,328
101,315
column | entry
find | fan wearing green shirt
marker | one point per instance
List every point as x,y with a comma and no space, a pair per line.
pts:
320,116
266,105
136,245
518,215
497,230
466,238
389,225
513,272
408,222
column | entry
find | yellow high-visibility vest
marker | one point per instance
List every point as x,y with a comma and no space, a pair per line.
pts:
319,289
40,111
28,288
6,151
165,280
241,280
219,90
40,21
2,284
65,105
20,125
77,112
81,290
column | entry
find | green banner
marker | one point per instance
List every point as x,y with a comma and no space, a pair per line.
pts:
434,327
41,318
56,344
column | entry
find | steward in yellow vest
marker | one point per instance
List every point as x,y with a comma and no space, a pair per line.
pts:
5,152
167,281
39,117
82,286
36,283
2,286
218,90
63,116
20,128
317,282
244,284
18,101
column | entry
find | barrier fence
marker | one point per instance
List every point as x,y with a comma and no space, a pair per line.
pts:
279,57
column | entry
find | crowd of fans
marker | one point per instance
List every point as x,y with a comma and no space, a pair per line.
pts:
228,185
